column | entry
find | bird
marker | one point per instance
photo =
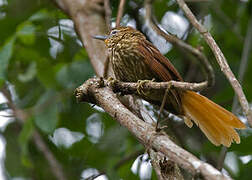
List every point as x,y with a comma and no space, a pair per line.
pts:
135,59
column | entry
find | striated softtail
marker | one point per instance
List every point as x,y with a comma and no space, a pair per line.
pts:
216,122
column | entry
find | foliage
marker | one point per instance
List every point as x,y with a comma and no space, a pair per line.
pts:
43,61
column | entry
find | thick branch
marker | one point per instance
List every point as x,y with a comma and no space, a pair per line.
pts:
220,59
179,43
88,17
165,169
93,92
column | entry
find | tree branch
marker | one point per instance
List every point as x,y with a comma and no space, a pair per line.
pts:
107,13
179,43
89,20
92,91
132,88
242,70
120,12
220,59
155,159
244,59
165,169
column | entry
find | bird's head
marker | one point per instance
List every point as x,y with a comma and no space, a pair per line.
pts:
120,34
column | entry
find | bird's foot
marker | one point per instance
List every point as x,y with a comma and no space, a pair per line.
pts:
112,84
159,129
140,87
111,81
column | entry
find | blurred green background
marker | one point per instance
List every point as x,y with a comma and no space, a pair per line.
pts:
42,61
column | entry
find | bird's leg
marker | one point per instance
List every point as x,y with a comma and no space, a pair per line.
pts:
111,82
159,129
162,107
140,86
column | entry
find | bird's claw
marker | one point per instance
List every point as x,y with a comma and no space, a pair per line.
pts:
111,81
158,128
140,87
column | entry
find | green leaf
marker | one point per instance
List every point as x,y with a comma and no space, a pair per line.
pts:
26,33
70,76
40,15
46,116
46,72
29,74
5,55
26,161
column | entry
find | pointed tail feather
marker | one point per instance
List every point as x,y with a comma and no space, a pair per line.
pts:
216,122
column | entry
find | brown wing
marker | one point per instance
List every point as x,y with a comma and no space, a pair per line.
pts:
158,63
163,69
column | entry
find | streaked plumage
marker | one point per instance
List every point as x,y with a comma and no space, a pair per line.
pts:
134,58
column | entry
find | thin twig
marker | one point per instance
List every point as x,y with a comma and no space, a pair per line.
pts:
162,106
91,91
220,59
54,164
55,38
131,88
120,12
242,70
179,43
244,59
107,13
221,158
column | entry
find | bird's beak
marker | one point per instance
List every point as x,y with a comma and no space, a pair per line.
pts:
100,37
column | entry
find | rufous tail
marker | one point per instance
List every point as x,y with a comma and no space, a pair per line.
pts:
216,122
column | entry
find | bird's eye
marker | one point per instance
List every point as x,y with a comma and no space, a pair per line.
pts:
113,32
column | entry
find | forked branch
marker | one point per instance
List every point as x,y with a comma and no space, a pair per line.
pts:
93,91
